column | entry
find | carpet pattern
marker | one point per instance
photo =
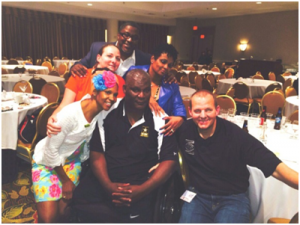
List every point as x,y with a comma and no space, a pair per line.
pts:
18,205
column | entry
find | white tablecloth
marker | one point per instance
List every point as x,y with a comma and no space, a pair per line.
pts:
4,62
69,62
9,80
11,120
256,88
268,196
38,69
200,72
293,77
186,91
291,104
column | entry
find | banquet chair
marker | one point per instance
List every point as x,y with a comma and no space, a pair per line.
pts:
230,92
19,58
18,69
186,102
179,74
288,82
3,71
212,80
273,100
279,90
27,62
286,74
206,85
12,62
215,69
24,150
272,86
225,102
37,84
198,82
62,68
192,76
258,72
47,59
38,62
54,73
51,92
294,219
23,83
191,68
47,64
241,92
272,76
66,76
28,58
281,79
290,91
229,73
55,58
258,76
184,81
64,57
195,65
294,116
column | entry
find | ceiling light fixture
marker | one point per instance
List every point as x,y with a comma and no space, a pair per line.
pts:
214,8
90,4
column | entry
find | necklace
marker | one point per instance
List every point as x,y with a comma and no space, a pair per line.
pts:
156,93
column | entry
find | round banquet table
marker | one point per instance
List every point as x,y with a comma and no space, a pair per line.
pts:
291,104
9,80
69,62
38,69
11,119
200,72
293,77
186,91
256,88
270,197
4,62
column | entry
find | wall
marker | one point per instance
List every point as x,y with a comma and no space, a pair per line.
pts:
270,36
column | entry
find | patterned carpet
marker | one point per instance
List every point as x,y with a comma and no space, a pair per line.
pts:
18,205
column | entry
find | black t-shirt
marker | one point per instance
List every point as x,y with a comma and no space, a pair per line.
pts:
218,165
130,151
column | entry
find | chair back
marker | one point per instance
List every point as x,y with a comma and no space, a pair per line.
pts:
273,100
23,83
215,69
27,62
55,58
272,76
66,76
192,76
51,92
258,76
241,90
288,82
47,64
286,74
184,81
229,73
222,76
230,92
281,79
186,102
19,58
62,68
226,102
206,85
198,82
37,84
191,68
64,57
290,91
295,219
179,75
294,116
19,69
12,62
272,86
38,62
54,73
47,59
279,90
211,79
4,71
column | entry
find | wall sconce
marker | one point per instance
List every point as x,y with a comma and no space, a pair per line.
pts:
243,46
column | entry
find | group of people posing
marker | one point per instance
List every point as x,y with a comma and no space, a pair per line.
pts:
114,139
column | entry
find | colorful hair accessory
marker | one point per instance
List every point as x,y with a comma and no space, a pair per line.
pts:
103,81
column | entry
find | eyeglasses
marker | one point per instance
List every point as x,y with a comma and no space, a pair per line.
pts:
127,35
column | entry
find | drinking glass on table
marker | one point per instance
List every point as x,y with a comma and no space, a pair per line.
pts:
270,121
224,113
295,127
231,113
254,119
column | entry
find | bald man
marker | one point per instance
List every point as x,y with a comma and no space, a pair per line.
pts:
120,187
217,153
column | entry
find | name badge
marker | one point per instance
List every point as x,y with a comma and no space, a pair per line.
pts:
188,196
145,131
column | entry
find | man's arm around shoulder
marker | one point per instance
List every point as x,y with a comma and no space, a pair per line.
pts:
286,175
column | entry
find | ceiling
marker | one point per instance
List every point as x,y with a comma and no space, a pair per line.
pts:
163,12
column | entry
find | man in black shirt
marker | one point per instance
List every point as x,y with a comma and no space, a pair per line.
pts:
217,153
120,187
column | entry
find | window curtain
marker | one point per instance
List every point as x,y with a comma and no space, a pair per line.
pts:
150,36
39,34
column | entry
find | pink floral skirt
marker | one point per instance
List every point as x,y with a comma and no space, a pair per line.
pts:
46,183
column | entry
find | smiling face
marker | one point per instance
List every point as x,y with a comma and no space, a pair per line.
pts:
110,58
204,112
107,97
162,65
137,91
128,39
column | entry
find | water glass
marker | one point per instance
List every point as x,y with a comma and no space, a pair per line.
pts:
224,113
295,127
270,121
231,113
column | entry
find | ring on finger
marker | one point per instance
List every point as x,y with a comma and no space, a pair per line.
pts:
172,130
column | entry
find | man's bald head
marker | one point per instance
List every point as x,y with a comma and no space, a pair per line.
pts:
137,73
203,93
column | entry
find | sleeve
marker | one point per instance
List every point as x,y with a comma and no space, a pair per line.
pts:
51,155
255,154
73,83
87,60
169,149
95,143
121,83
178,106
